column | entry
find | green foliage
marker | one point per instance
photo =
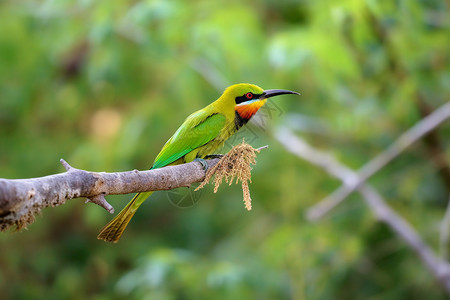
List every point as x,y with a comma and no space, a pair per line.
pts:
104,84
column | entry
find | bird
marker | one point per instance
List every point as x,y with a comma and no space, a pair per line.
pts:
200,135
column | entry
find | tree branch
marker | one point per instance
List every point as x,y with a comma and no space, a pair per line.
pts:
435,146
21,199
404,141
444,237
439,268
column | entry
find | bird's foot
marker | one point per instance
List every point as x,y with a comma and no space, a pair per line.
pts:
203,162
212,156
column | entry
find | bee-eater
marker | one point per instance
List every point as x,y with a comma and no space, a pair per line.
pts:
200,135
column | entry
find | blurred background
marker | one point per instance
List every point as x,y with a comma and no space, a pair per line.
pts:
104,85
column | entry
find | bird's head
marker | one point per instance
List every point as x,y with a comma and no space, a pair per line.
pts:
248,98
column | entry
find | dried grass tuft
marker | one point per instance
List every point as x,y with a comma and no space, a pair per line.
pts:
235,164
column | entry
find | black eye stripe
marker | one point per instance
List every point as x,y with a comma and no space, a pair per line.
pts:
244,98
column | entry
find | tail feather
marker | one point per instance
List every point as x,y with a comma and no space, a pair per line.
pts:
114,229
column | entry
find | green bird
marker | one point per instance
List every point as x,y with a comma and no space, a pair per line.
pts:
201,134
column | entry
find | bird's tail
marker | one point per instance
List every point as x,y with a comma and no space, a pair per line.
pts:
114,229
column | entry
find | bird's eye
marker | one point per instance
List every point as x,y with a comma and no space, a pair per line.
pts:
249,95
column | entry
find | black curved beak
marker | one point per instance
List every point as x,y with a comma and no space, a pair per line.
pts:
272,93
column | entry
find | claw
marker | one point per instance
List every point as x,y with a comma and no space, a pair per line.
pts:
203,162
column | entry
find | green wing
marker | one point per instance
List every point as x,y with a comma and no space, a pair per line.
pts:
197,130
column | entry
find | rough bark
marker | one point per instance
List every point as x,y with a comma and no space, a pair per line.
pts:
22,199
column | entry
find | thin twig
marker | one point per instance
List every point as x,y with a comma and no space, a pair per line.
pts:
444,237
404,141
439,268
262,148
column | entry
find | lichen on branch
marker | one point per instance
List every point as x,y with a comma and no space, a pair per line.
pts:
235,164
